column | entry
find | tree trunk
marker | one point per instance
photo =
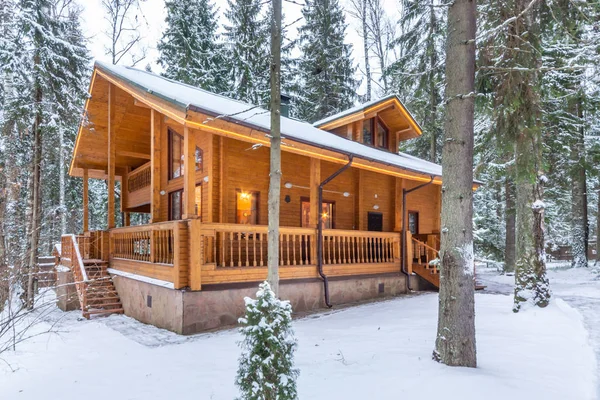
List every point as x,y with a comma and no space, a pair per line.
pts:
531,284
432,92
275,158
35,198
579,229
61,180
509,244
455,342
366,49
597,263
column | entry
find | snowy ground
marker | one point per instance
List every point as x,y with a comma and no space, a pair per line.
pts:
379,350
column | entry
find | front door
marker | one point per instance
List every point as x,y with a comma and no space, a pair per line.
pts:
375,221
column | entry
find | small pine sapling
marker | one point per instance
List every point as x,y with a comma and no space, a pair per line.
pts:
266,369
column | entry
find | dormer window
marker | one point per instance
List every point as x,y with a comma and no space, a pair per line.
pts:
375,133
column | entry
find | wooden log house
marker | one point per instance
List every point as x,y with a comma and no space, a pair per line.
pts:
198,164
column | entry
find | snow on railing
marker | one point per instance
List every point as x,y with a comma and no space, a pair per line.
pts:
75,248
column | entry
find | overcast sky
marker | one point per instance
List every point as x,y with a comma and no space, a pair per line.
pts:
153,23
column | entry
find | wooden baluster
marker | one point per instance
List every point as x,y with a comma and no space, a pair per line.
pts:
230,249
247,255
254,248
260,242
280,248
223,248
287,246
294,249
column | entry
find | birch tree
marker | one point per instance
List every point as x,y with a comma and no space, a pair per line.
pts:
123,31
455,342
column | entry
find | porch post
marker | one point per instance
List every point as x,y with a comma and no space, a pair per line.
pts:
315,181
155,132
189,174
86,219
399,185
111,157
125,196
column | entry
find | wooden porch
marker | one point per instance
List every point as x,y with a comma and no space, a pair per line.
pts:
190,254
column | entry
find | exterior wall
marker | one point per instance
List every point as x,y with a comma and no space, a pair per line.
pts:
427,202
191,312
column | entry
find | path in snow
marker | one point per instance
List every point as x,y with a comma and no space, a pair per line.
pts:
579,287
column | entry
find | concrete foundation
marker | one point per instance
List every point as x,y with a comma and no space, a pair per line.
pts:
66,292
187,312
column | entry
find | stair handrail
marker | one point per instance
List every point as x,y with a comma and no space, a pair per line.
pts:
79,259
426,246
435,253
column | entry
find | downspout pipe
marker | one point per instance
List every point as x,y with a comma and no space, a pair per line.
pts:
403,254
320,229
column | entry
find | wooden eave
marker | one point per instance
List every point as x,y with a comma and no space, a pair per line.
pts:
389,109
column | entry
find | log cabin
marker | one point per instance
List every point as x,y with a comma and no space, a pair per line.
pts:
359,220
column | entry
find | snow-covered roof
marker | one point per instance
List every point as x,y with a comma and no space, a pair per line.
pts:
193,98
364,106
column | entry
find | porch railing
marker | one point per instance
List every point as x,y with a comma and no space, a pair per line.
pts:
360,247
139,178
162,247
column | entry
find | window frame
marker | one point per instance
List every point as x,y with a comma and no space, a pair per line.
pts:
171,170
374,122
325,201
170,201
416,213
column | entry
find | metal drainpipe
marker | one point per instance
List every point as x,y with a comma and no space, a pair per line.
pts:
403,254
320,229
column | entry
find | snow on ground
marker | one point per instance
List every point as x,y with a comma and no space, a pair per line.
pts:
379,350
579,287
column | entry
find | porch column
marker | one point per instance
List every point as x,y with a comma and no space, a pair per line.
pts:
315,181
86,218
125,196
155,157
399,185
189,174
111,157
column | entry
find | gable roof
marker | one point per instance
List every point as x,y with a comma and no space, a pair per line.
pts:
186,97
361,109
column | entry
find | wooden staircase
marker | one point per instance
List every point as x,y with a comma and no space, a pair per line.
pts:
95,289
100,296
428,272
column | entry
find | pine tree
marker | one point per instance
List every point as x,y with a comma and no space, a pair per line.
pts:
418,74
455,342
326,83
247,41
189,50
266,369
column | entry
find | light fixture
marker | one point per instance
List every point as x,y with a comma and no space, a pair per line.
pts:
346,194
244,196
205,178
288,185
375,195
375,207
162,192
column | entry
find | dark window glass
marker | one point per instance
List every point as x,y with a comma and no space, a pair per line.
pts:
413,222
175,205
246,208
175,155
368,131
382,135
198,200
199,159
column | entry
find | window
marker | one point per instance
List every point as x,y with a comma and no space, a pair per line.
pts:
246,208
375,133
198,200
199,159
175,205
413,222
382,135
175,155
327,209
368,131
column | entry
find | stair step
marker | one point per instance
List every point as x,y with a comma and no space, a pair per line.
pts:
105,305
101,298
87,314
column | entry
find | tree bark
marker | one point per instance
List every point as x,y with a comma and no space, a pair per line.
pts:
432,92
597,263
366,49
455,342
275,155
579,229
531,284
510,221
